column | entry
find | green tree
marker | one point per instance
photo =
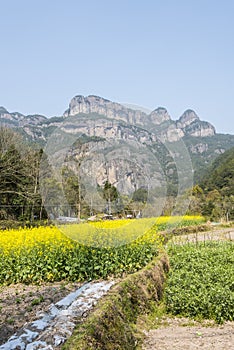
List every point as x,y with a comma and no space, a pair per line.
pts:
110,194
12,175
140,195
19,177
74,191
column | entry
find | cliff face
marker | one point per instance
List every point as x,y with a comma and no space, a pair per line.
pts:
191,124
100,120
125,164
188,117
109,109
95,104
159,116
158,121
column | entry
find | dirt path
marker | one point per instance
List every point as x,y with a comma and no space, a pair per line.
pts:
179,334
223,234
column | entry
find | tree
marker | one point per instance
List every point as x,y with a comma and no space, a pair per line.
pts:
12,194
110,194
32,160
19,177
140,195
73,189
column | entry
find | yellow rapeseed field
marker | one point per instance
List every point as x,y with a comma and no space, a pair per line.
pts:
82,251
114,233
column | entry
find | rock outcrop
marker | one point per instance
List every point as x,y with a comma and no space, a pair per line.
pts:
191,124
158,121
159,116
95,104
97,119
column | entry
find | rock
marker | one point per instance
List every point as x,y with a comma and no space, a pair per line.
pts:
199,148
109,109
187,118
3,110
100,121
159,115
191,125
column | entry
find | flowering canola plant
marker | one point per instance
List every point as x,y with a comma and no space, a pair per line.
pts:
82,252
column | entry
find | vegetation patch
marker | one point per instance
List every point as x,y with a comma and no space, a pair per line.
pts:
201,281
185,230
112,324
44,254
9,224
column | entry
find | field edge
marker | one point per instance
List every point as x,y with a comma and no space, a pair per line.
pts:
112,323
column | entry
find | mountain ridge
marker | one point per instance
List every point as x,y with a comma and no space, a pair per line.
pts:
95,116
96,104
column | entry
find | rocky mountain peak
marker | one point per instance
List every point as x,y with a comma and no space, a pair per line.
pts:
191,124
188,124
92,99
3,110
159,115
98,99
90,104
188,117
113,110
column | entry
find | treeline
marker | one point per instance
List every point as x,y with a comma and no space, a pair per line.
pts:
213,197
19,178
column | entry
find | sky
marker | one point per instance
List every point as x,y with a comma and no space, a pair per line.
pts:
178,54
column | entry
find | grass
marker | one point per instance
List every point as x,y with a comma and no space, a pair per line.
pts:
37,301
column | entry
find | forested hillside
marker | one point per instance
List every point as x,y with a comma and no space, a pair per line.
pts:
214,196
220,176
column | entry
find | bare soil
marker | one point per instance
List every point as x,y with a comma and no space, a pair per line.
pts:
184,334
20,304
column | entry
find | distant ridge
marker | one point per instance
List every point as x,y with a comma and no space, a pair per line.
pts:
157,126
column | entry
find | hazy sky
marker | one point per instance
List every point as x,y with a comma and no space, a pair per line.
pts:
178,54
